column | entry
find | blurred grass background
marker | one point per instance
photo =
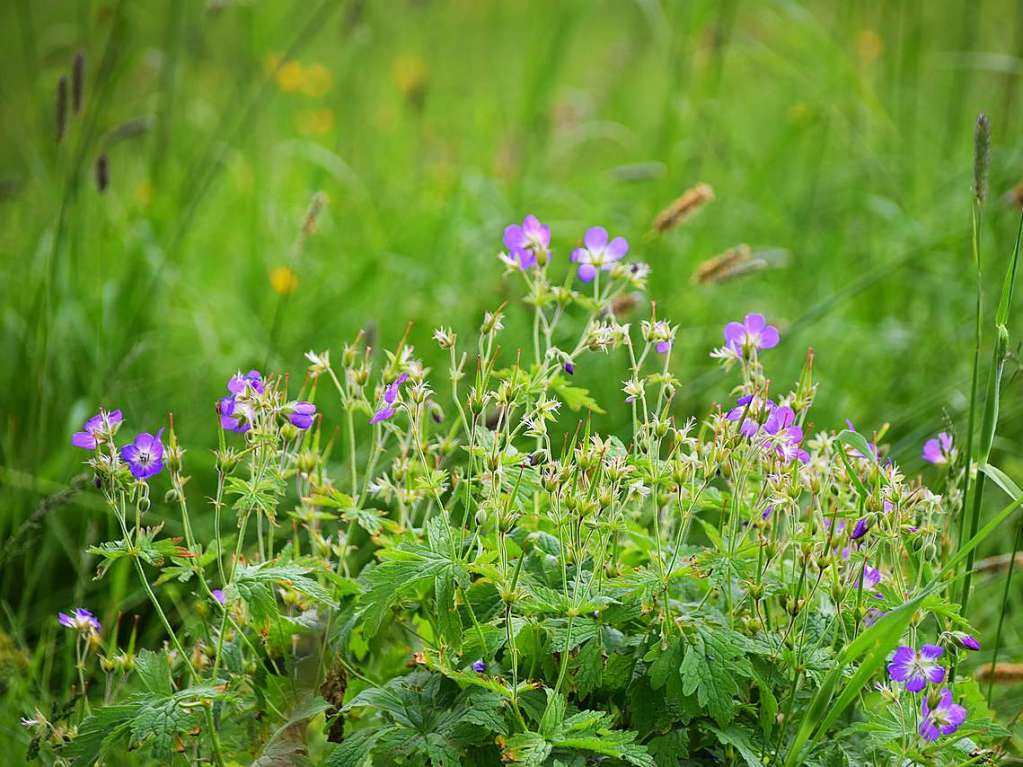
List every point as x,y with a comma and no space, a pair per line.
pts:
837,135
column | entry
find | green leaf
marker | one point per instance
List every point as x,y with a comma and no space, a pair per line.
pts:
528,748
575,397
256,583
739,739
154,672
357,748
99,732
711,661
404,570
1002,480
669,749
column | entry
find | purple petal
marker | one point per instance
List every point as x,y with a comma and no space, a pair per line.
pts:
936,675
94,424
514,237
932,452
84,440
663,347
382,415
596,238
769,337
579,256
931,651
735,334
587,272
928,730
525,257
916,683
617,248
755,322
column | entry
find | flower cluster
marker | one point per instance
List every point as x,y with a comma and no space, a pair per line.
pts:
555,592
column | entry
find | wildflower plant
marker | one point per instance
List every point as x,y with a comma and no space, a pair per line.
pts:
469,573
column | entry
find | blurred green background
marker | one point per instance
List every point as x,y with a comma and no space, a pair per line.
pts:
837,136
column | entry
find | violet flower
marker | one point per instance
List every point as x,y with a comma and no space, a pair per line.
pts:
752,333
750,406
916,669
80,620
944,719
479,666
95,428
234,415
144,456
301,414
663,347
569,367
527,243
780,424
219,595
597,253
967,641
938,450
861,528
390,395
239,382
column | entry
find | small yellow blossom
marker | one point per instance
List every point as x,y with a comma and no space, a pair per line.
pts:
317,81
283,280
290,77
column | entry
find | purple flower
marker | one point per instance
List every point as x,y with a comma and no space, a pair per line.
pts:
750,406
569,367
145,455
525,243
219,595
253,379
597,253
100,424
968,641
234,415
938,450
390,395
871,577
916,669
479,666
301,414
752,333
80,620
663,347
780,424
861,528
943,719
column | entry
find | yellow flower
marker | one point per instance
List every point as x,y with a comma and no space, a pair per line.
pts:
283,280
290,77
314,122
317,81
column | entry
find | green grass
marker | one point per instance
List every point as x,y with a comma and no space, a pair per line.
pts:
837,133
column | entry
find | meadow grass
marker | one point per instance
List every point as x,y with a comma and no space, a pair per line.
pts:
836,137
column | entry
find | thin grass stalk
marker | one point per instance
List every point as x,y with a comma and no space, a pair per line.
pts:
1002,610
990,421
971,422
